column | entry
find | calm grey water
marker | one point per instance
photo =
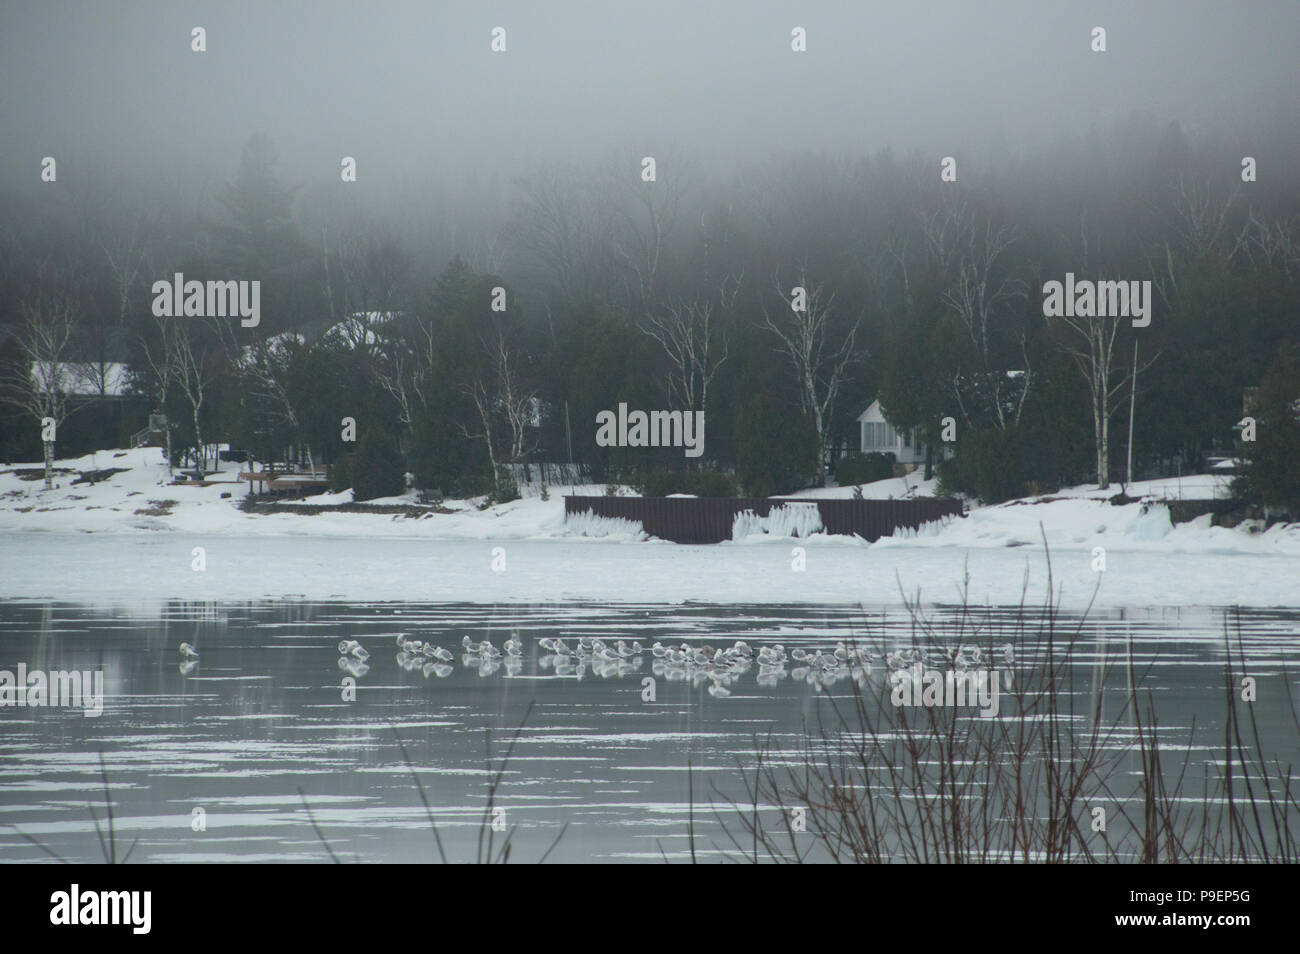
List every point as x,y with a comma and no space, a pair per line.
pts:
262,715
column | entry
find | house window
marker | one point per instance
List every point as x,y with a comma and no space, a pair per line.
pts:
878,434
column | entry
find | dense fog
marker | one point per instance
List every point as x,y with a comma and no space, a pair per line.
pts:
921,170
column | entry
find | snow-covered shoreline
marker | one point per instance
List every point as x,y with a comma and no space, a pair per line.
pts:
132,535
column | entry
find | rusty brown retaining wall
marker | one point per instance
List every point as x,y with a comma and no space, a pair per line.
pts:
709,519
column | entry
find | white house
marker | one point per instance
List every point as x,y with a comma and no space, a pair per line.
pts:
106,379
877,436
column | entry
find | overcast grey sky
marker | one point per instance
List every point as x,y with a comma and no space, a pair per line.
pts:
413,91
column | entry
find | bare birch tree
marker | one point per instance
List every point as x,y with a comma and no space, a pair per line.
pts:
691,335
982,293
161,358
405,370
1091,346
500,395
819,356
1202,230
39,380
196,364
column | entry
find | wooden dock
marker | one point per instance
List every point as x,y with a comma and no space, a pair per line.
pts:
283,482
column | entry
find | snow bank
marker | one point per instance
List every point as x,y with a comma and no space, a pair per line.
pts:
1083,522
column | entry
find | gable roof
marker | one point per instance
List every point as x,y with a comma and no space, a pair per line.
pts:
874,412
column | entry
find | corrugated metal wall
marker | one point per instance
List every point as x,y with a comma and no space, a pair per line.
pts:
709,519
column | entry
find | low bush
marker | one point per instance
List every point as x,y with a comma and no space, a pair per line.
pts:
700,483
864,468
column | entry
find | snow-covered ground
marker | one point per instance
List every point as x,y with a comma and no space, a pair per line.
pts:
132,536
138,501
1193,487
895,488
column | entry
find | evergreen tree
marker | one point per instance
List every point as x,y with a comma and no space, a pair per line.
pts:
377,469
260,242
776,447
1273,474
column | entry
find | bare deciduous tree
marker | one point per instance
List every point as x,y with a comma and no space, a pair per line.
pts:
1094,356
562,228
162,367
1272,244
1202,229
39,380
1093,352
982,293
647,216
405,370
197,357
501,394
690,334
125,253
265,368
819,363
1202,220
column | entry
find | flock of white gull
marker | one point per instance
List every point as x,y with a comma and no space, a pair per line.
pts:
717,668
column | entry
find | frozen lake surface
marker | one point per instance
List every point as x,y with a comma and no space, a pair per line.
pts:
261,715
139,569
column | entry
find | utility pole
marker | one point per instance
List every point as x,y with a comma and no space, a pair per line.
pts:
568,439
1132,402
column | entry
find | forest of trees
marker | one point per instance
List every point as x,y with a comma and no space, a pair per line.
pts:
676,293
